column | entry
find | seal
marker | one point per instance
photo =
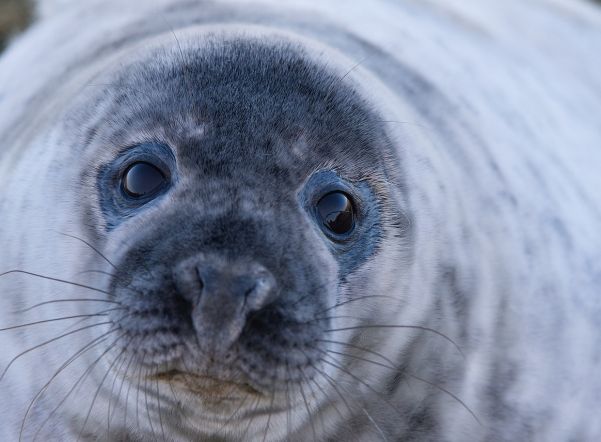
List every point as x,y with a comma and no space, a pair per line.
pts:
316,221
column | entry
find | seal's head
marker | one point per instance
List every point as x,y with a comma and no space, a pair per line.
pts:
247,195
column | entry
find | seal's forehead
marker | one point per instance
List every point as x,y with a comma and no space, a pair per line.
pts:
244,99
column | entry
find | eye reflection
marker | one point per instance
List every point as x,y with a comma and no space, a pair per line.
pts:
336,212
142,179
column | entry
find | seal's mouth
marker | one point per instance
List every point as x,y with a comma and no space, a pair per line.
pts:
207,386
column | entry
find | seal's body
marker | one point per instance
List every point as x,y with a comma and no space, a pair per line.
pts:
311,221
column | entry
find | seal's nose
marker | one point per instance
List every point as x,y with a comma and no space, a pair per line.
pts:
221,294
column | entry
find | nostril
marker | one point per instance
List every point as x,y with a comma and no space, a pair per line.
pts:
201,283
249,291
259,290
189,281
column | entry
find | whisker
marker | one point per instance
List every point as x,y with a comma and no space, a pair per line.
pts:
159,408
124,377
181,53
100,272
323,391
270,414
50,278
288,401
86,242
138,391
55,301
236,411
111,395
393,367
118,278
45,321
371,419
146,404
76,323
384,326
306,380
308,412
333,384
96,341
102,381
252,418
177,400
356,378
91,247
137,357
49,342
348,301
444,390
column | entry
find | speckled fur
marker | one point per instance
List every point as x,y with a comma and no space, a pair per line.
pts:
468,132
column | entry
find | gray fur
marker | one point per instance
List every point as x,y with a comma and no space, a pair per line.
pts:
464,305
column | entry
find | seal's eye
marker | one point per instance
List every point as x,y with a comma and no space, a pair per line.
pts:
142,179
336,213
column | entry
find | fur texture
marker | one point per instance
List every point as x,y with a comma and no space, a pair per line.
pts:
465,303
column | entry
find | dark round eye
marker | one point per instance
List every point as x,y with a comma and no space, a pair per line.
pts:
142,179
336,212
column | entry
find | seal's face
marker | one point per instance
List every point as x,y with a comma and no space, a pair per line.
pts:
241,188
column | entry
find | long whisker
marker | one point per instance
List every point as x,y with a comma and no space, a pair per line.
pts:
124,377
50,278
159,408
358,347
270,414
45,321
96,341
49,342
76,323
358,298
236,411
138,390
306,381
108,371
392,367
372,420
100,272
308,412
146,404
252,418
323,391
91,247
356,378
333,384
55,301
111,395
288,401
129,385
384,326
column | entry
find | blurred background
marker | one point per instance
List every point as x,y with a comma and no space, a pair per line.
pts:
16,14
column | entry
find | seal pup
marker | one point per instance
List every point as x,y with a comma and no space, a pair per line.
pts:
304,221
